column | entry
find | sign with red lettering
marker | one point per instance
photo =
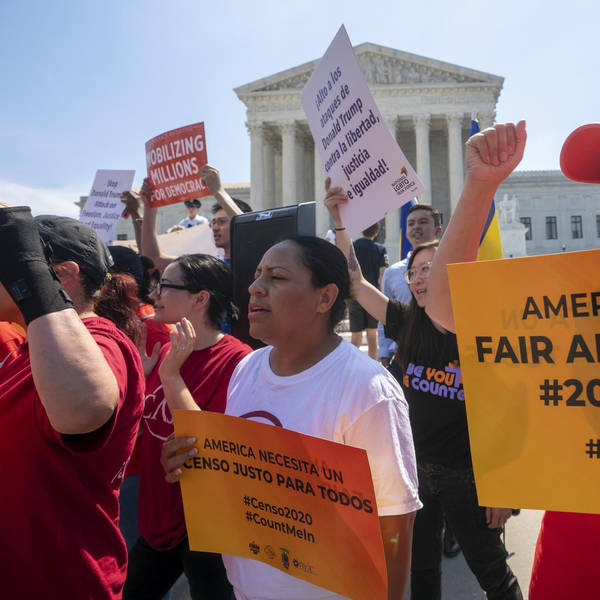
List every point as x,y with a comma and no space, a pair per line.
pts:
174,160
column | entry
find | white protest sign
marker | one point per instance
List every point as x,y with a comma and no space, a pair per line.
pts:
104,208
356,148
191,240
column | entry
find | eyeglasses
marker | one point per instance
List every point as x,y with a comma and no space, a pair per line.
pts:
161,286
423,272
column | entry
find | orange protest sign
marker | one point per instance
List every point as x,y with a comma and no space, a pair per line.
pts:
301,504
174,160
529,344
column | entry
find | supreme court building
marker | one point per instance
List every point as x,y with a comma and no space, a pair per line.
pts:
427,105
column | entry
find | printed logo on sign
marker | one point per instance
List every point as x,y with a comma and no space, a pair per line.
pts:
254,547
307,568
268,550
403,183
285,558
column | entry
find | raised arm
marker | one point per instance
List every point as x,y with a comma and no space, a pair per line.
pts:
134,204
74,382
212,179
76,386
368,296
492,155
150,246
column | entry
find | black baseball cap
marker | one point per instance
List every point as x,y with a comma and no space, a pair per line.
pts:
127,261
69,239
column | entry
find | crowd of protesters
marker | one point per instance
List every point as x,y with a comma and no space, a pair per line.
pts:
98,345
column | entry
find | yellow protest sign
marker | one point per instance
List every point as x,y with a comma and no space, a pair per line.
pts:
529,344
298,503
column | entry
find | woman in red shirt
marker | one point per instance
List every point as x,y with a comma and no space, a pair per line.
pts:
199,288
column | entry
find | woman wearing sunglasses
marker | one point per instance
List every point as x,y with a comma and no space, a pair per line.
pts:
427,365
194,289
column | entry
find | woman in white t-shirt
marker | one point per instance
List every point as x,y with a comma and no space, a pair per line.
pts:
311,381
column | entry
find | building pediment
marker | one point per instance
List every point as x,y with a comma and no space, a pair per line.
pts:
382,67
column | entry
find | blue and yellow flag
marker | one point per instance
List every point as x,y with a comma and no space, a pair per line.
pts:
490,244
404,246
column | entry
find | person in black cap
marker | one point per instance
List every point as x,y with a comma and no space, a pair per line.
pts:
193,218
71,400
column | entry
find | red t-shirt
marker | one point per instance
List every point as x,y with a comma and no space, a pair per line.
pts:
60,494
11,337
155,332
206,373
565,565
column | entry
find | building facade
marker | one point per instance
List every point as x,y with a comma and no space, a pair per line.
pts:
559,215
427,105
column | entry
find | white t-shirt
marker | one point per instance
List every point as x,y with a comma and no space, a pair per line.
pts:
347,398
197,220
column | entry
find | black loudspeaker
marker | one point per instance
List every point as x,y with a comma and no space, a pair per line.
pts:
251,235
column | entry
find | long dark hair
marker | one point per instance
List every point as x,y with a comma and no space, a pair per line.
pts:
416,341
327,264
205,272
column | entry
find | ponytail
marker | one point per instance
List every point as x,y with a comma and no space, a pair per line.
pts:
117,301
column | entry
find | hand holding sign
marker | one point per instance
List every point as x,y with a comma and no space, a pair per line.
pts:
212,179
133,204
175,452
334,197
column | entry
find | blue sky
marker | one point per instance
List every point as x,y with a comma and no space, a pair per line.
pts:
84,84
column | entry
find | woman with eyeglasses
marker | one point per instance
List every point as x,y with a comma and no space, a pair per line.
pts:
428,368
195,290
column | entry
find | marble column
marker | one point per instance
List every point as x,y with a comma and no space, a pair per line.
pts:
392,124
322,215
288,162
392,235
256,131
421,122
486,120
300,154
455,158
308,176
269,172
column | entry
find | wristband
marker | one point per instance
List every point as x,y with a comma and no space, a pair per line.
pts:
24,270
